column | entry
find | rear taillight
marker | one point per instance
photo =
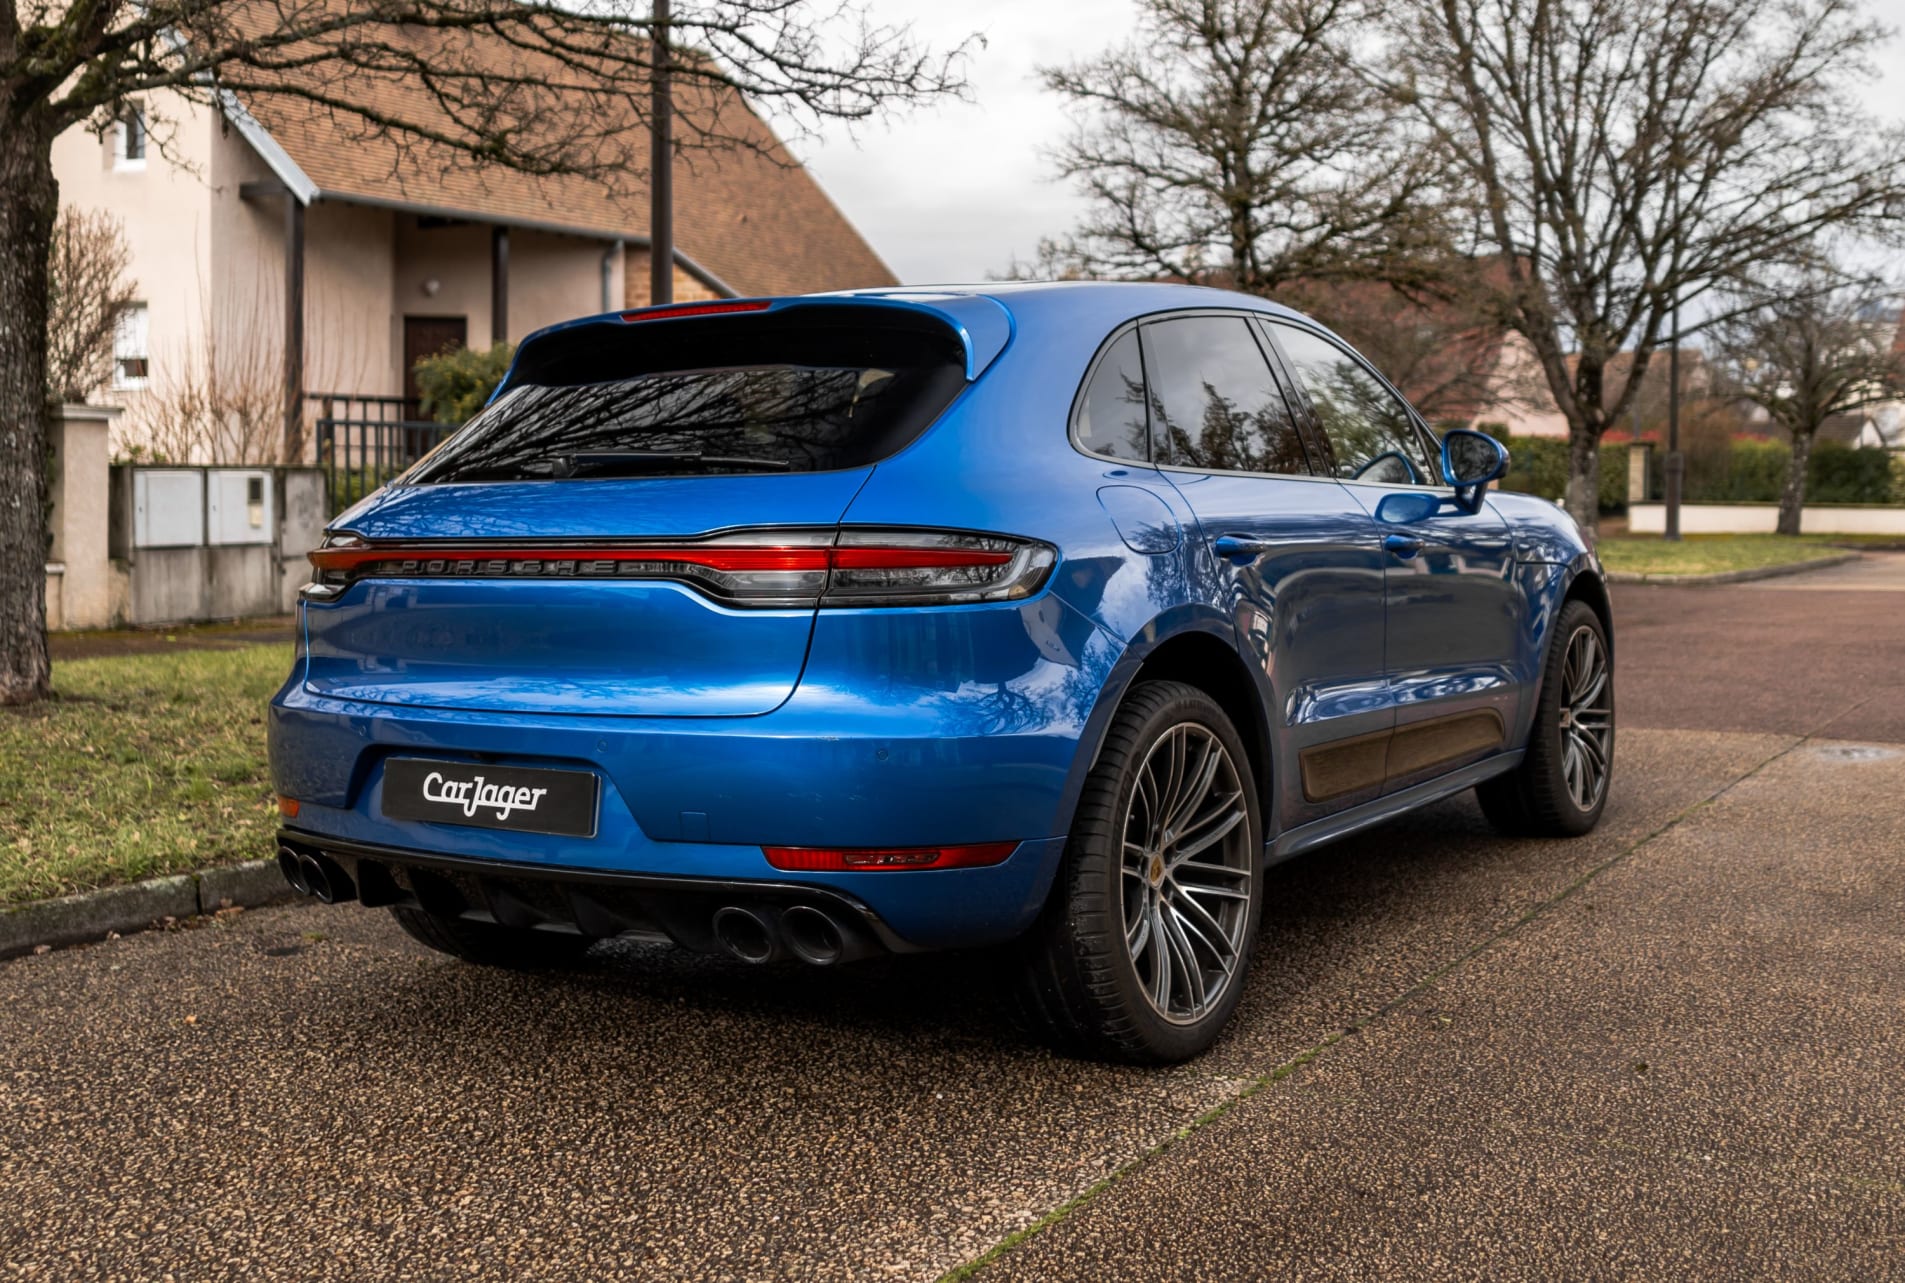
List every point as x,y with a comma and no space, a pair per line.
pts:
755,568
854,859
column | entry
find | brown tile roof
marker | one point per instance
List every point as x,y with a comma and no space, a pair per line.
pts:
751,216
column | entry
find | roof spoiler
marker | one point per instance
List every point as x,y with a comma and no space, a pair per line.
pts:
983,325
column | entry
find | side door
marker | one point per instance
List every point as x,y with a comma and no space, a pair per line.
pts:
1454,610
1294,561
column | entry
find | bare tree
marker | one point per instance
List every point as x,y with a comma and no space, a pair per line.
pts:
1440,345
1627,157
87,291
1805,351
548,89
1233,142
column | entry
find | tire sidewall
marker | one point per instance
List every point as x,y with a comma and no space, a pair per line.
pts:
1169,1041
1575,616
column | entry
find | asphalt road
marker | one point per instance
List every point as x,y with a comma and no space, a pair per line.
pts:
1672,1047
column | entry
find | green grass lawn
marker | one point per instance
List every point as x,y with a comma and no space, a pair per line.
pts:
142,765
1711,554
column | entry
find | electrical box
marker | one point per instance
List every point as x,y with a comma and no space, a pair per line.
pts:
239,505
168,507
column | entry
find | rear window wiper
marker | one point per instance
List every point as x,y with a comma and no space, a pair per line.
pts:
571,465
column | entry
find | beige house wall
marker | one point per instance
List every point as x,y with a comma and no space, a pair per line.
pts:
557,278
1523,400
165,207
353,341
209,266
688,289
442,271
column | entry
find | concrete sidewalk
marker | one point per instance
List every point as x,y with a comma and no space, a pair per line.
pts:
1689,1067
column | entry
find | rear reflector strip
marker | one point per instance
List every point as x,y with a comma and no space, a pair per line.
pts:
869,859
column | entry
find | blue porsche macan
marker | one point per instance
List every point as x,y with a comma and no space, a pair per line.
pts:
1039,619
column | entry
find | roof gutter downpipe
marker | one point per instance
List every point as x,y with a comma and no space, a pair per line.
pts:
610,257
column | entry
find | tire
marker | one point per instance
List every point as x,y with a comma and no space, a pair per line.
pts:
1542,797
492,945
1083,982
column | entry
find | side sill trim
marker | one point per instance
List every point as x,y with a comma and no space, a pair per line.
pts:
1357,818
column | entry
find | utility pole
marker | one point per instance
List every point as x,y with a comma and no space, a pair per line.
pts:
661,169
1676,465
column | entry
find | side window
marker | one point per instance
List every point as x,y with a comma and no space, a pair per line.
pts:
1214,402
1112,420
1370,433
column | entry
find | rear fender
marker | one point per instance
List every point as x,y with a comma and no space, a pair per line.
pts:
1167,627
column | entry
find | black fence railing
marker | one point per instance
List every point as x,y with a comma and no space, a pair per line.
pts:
359,454
366,409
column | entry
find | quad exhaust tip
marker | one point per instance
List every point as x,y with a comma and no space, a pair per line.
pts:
291,864
814,937
316,875
746,934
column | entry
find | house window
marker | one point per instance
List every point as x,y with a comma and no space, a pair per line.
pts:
129,140
131,366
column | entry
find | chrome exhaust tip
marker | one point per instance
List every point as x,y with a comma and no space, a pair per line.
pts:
813,936
326,879
745,934
291,864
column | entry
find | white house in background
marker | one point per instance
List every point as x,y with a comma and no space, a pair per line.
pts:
279,261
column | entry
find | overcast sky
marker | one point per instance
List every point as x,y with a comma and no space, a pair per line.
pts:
954,192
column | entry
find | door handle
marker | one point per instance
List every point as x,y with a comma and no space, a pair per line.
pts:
1404,546
1239,546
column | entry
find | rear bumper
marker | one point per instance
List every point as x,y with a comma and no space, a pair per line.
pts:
697,801
906,729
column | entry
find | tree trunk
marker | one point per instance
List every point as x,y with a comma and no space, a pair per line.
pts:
1587,419
29,201
1793,498
1583,498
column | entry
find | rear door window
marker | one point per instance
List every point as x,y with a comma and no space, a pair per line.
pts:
689,397
1112,419
1369,432
1214,402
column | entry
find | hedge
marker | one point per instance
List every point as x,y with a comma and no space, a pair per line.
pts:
1539,466
1726,471
1754,471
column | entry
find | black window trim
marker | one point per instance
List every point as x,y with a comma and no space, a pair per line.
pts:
1084,389
1278,376
1425,439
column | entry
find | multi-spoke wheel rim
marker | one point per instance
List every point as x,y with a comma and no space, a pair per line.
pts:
1587,718
1185,874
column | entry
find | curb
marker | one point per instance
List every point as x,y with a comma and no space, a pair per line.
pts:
92,915
1736,576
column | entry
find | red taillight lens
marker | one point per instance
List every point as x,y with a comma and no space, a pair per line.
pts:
857,859
766,568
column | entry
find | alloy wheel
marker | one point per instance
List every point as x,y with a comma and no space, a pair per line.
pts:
1587,718
1185,873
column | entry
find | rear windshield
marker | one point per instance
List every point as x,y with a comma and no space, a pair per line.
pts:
783,393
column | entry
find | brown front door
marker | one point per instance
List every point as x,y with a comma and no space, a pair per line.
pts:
427,336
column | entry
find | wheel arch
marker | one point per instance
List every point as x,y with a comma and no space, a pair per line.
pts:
1200,654
1585,583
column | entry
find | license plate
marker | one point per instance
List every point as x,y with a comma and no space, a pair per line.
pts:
519,799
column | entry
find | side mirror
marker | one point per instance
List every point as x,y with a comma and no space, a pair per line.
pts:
1470,460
